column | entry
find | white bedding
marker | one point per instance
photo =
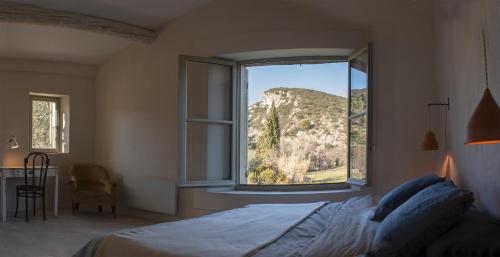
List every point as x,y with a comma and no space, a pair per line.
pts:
348,233
233,233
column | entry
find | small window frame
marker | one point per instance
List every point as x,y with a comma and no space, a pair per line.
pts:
57,101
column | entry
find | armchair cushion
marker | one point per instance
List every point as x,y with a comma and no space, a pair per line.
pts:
91,183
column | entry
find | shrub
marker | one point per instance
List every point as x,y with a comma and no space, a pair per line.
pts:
305,125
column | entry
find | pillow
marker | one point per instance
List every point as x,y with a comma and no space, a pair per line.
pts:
421,220
394,198
476,234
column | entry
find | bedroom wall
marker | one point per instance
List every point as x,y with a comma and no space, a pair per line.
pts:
137,89
19,77
460,75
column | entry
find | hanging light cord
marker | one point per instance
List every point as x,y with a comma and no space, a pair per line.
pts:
429,117
446,132
485,60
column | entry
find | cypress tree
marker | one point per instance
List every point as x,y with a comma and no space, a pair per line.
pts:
270,138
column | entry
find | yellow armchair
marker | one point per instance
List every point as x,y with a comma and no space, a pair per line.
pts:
92,184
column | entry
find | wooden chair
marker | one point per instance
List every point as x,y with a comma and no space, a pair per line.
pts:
91,183
34,182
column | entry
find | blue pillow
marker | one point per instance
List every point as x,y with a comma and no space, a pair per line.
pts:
409,229
394,198
476,234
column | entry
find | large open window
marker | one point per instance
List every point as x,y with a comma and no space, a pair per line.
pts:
296,128
287,121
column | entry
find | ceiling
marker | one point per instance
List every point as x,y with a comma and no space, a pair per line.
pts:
150,14
42,42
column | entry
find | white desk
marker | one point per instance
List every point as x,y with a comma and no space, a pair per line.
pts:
18,172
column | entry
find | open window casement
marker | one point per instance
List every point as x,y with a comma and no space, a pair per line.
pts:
207,121
359,116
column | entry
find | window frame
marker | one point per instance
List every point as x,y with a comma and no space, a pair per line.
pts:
243,108
57,101
369,117
184,120
238,114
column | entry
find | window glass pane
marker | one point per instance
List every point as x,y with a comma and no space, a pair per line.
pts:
358,147
359,83
208,152
44,124
296,124
208,91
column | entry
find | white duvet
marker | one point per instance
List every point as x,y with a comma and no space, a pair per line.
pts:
348,233
234,233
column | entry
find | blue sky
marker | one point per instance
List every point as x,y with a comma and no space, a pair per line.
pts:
329,77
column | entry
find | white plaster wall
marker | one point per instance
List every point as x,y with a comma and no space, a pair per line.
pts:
137,89
460,75
20,77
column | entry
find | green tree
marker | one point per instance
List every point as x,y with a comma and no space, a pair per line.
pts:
269,141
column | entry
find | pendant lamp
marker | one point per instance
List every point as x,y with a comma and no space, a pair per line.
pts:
430,142
484,125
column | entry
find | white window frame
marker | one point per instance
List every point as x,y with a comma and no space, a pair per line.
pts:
183,120
57,101
239,139
243,105
369,117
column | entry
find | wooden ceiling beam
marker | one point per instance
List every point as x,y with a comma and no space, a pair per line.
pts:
23,13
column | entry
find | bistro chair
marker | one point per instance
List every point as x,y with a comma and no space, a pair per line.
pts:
35,175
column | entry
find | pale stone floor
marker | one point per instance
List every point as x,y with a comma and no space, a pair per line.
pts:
59,236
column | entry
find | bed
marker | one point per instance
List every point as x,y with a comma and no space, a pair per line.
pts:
260,230
426,216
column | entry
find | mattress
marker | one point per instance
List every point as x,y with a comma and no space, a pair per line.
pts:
337,229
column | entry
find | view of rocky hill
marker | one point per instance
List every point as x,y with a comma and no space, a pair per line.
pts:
295,132
310,115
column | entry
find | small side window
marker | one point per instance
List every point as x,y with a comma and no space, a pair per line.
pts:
48,125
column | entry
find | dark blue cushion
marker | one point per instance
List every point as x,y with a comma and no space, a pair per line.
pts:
409,229
476,234
394,198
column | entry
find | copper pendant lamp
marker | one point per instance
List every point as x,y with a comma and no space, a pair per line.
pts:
430,142
484,125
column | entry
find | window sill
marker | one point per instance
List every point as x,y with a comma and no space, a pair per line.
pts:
316,192
233,191
294,188
51,153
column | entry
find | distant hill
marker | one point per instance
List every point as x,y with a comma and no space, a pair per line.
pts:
313,129
311,115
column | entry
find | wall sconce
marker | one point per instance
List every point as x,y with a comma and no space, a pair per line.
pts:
430,143
13,142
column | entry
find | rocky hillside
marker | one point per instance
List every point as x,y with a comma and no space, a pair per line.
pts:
308,115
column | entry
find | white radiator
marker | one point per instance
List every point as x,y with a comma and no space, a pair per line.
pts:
151,194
